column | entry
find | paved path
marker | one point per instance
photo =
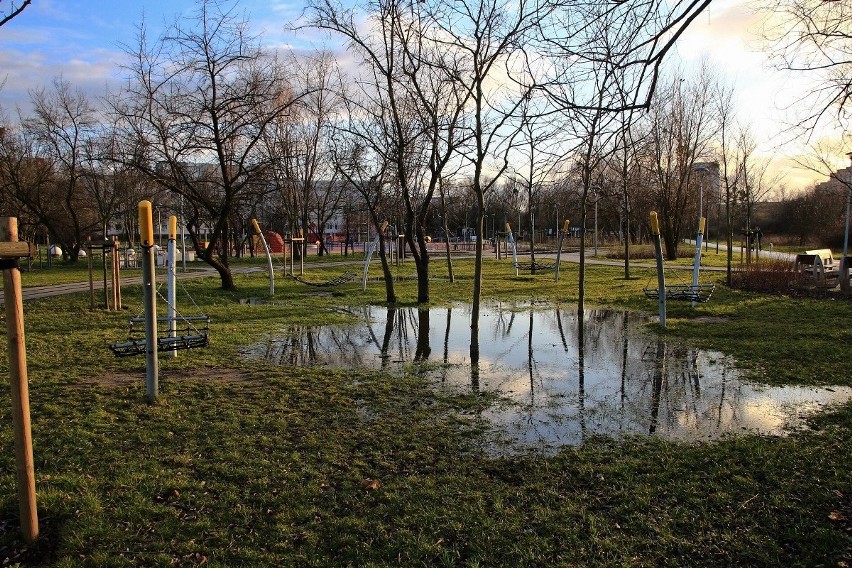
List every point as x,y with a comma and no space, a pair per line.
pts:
35,292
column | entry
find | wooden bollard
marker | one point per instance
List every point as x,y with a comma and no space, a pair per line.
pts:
10,251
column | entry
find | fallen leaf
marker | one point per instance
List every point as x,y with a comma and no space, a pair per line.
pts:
371,484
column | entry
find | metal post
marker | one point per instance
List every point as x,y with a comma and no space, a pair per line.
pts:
149,297
269,266
511,240
103,247
182,237
171,282
661,278
696,263
19,386
560,236
116,273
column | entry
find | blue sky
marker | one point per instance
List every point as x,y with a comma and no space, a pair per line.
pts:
79,40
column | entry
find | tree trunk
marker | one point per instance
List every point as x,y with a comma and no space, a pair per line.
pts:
447,239
477,286
390,294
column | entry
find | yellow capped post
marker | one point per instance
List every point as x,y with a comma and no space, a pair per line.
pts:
146,223
701,224
255,227
655,223
566,225
508,228
173,227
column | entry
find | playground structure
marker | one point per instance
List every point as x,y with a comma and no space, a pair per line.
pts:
345,277
370,250
193,331
531,266
105,246
694,292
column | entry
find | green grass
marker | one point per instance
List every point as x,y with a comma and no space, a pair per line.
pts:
239,463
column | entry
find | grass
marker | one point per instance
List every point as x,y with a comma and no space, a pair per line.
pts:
239,463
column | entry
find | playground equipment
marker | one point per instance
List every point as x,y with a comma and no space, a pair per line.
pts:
182,332
343,278
347,276
10,251
269,267
537,266
370,250
105,246
694,292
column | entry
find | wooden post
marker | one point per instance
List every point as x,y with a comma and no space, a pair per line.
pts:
91,280
104,246
304,252
10,251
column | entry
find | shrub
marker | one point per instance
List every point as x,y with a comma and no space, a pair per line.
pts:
772,276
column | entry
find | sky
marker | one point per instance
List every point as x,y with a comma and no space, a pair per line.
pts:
81,42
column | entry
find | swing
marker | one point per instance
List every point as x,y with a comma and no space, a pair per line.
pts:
681,292
190,333
347,276
535,266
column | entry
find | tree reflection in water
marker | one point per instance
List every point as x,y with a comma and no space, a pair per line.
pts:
564,377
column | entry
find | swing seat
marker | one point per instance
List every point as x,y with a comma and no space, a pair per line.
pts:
342,279
682,292
188,337
530,266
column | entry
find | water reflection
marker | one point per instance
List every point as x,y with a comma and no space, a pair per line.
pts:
563,377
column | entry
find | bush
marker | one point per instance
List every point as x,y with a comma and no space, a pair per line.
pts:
771,276
637,252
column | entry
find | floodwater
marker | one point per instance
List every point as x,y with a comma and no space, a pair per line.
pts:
557,386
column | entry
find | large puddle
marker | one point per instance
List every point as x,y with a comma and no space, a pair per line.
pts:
557,390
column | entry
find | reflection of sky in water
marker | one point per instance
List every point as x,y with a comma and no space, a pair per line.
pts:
622,381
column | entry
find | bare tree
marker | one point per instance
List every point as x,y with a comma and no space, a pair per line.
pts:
408,75
27,183
62,124
198,102
366,170
13,11
484,38
297,143
814,37
682,124
729,159
756,182
535,150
